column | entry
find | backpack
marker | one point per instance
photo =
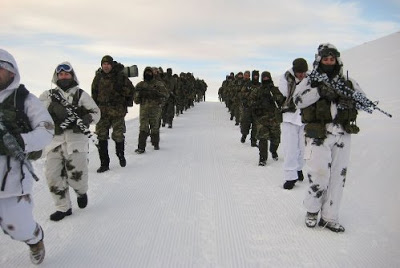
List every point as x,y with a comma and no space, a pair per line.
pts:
20,95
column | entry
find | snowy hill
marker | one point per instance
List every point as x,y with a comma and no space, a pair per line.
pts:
202,200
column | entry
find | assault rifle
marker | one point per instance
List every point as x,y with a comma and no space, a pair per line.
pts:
360,100
15,149
72,115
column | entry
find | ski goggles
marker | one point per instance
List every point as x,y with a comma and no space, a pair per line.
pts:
329,52
7,66
63,67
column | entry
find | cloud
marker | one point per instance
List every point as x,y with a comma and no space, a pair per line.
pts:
206,37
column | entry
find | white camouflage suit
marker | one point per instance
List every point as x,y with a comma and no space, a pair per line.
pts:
16,200
326,163
292,135
67,155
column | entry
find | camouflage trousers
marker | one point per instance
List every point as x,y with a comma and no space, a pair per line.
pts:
17,219
149,118
117,123
65,170
168,112
248,123
326,165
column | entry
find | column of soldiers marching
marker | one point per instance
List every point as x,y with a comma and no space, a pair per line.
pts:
255,107
56,125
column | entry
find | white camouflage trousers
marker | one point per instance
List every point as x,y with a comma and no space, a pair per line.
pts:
16,219
326,173
293,142
65,170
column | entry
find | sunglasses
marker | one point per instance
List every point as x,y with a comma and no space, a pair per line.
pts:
330,52
63,67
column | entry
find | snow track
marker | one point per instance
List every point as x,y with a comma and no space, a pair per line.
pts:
202,201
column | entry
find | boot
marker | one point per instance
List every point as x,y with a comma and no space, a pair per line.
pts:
262,161
263,149
120,150
273,149
59,215
82,200
170,125
253,142
311,219
333,226
142,142
243,139
300,176
103,154
156,141
288,185
37,252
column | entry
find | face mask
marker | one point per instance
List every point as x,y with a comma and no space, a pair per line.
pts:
327,68
65,83
148,77
266,82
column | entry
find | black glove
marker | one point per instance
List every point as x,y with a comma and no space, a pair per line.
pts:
58,111
327,92
87,119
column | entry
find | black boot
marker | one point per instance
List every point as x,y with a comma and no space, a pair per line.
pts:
243,139
156,141
142,142
253,142
104,158
300,176
263,149
120,151
273,149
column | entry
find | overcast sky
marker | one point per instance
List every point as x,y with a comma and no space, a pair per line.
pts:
209,38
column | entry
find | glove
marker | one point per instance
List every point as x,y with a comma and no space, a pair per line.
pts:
14,144
345,103
58,111
327,92
87,119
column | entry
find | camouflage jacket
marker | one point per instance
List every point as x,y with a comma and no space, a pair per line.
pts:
153,93
110,92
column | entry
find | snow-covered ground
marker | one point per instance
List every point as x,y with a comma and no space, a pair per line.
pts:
203,201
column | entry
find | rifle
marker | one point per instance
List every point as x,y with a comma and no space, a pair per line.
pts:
360,100
72,115
15,149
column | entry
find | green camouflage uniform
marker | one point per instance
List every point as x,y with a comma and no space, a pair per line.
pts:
151,95
169,108
248,116
264,101
110,91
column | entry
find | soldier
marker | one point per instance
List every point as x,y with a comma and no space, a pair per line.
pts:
235,88
32,131
169,107
151,94
110,90
330,121
292,127
67,155
265,102
247,118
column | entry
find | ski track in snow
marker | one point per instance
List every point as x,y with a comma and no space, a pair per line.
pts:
201,201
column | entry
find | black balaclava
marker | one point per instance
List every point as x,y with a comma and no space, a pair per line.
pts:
264,75
66,84
169,72
255,76
148,74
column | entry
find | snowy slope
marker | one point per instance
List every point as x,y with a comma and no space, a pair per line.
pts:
202,200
